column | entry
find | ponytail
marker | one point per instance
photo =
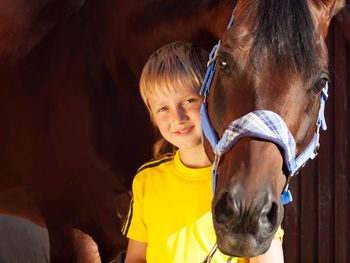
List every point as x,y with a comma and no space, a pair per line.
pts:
162,147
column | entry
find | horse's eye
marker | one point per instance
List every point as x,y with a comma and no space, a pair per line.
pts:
223,64
319,85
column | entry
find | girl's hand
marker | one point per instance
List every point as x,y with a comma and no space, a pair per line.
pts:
273,255
136,252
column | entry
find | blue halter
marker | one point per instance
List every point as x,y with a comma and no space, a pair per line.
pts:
262,124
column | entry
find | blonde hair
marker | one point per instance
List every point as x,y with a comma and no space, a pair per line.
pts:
178,64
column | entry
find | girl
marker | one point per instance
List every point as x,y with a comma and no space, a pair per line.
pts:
169,218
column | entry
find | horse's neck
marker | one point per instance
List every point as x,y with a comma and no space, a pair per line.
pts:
24,24
144,27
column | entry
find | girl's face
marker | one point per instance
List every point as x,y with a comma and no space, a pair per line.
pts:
176,114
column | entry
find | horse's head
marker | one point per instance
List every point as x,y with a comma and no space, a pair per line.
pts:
272,58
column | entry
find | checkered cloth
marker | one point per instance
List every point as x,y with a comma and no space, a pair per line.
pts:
263,124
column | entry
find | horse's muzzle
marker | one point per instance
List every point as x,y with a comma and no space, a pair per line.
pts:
245,227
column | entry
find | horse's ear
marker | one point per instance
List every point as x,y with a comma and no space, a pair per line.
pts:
333,6
329,8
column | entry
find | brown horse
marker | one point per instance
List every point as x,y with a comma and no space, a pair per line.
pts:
273,58
73,127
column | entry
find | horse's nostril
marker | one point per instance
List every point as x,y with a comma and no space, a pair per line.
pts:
223,210
272,214
269,217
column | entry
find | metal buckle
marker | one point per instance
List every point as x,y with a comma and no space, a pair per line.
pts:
216,162
211,254
315,153
324,92
215,54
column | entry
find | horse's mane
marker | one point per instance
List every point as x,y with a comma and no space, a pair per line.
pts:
285,31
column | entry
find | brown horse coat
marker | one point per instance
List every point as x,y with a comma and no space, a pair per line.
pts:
73,127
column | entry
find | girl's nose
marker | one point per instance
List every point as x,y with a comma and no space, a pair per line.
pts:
181,114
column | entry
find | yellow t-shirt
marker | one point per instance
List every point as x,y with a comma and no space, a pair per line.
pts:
170,211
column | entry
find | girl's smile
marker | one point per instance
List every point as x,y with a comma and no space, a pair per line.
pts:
185,131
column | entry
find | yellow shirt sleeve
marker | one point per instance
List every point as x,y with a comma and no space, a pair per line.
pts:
279,234
134,226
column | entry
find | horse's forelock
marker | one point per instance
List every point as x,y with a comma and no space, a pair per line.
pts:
285,31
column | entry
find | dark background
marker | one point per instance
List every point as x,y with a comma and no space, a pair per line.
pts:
317,223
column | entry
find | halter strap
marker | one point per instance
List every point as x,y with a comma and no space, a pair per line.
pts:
274,129
283,139
212,62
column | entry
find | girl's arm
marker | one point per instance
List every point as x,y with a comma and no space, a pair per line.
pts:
136,252
273,255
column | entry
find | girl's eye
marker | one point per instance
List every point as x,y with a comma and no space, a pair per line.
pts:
189,101
162,109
